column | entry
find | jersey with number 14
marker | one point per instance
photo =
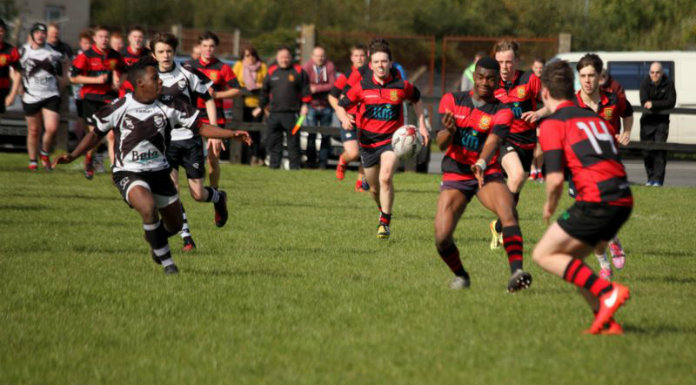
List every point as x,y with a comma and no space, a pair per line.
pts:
582,141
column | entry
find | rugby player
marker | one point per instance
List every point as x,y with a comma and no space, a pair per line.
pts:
135,51
358,55
520,90
614,109
42,77
141,171
382,96
9,71
225,86
580,140
98,70
183,84
475,124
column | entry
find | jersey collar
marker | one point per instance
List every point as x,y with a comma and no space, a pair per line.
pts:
213,60
564,104
603,100
98,51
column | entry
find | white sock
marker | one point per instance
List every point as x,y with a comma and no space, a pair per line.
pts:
603,261
167,262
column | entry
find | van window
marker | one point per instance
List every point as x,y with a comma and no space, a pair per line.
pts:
631,73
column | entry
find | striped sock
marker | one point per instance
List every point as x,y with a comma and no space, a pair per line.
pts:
514,246
213,195
384,218
156,236
185,230
450,256
580,275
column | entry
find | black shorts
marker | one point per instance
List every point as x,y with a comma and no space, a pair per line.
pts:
526,156
593,222
78,105
52,103
470,187
370,156
348,135
89,108
188,154
3,94
158,182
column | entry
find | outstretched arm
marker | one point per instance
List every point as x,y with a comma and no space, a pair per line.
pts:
210,131
87,143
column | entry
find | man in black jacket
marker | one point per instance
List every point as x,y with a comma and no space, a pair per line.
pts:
657,93
286,91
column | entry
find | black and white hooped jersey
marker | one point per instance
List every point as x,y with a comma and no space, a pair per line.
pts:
141,131
183,84
41,68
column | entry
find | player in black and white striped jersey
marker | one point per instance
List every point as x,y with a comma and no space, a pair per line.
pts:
142,125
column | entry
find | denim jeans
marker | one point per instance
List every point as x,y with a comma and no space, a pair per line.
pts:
319,117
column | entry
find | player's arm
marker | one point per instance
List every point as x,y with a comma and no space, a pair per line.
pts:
444,137
349,99
550,139
535,116
413,96
16,77
233,88
91,140
214,132
625,137
554,189
502,121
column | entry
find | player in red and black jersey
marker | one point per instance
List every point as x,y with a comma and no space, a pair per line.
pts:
135,51
614,109
358,56
9,70
99,70
475,124
382,96
225,86
580,140
520,90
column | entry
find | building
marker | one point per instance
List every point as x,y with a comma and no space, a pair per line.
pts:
71,15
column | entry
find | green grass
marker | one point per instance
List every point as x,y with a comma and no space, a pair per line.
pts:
296,289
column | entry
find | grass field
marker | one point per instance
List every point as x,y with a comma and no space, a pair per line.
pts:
296,289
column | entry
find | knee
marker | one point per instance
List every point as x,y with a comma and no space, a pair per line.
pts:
538,255
385,180
197,195
350,155
515,180
443,240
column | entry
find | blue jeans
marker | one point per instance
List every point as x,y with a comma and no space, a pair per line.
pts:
319,117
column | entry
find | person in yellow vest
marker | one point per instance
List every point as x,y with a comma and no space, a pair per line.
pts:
250,73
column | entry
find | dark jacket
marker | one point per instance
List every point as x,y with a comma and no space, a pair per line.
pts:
662,95
285,89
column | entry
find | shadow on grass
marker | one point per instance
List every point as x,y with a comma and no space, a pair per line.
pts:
216,272
658,330
667,279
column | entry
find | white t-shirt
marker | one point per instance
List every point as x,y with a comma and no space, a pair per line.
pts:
41,68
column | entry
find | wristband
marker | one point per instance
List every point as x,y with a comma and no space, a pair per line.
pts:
481,163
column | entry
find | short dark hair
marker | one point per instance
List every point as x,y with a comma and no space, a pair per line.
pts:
488,63
559,79
380,45
590,59
284,47
540,60
138,69
358,47
97,28
208,35
164,37
507,45
136,28
86,34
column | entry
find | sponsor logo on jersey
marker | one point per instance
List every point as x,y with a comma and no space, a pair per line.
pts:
128,123
159,122
485,122
124,182
384,112
394,95
470,140
112,64
521,92
291,78
608,113
516,110
3,60
144,157
213,76
181,84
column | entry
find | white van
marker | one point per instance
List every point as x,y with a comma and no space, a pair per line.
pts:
630,68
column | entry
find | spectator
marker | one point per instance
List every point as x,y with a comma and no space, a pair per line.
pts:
538,66
116,42
251,72
54,42
467,82
657,94
286,91
322,75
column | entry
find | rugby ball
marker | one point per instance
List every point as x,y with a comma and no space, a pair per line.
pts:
407,142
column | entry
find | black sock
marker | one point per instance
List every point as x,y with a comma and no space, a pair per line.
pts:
156,236
450,256
384,219
213,195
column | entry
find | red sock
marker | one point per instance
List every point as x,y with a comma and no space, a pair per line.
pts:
514,246
582,276
451,257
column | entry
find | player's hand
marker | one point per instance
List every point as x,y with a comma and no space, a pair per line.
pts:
215,146
63,159
623,138
530,116
9,100
243,137
478,173
648,105
347,122
448,121
257,111
547,213
103,78
425,134
304,110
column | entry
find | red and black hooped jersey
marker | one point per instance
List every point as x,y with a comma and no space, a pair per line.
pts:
340,86
474,124
382,108
521,95
131,57
9,57
222,77
611,108
577,138
94,62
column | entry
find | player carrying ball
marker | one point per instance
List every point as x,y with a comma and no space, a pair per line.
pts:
141,173
475,124
577,138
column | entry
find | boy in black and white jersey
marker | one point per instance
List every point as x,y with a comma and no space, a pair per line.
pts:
141,124
42,74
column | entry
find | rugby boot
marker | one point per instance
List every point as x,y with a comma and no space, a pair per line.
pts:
519,280
189,244
496,237
221,213
45,161
609,303
341,169
383,231
33,165
618,257
171,270
460,282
